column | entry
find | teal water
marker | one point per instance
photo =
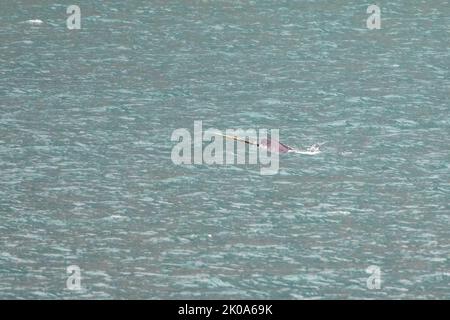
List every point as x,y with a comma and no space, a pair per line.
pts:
87,179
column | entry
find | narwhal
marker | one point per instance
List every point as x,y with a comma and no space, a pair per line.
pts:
274,145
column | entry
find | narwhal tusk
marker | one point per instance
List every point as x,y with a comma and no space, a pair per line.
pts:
271,144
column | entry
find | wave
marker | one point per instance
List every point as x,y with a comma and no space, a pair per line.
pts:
311,151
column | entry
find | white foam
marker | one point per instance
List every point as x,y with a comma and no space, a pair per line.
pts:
312,150
34,21
310,153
